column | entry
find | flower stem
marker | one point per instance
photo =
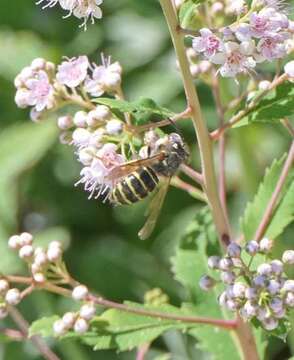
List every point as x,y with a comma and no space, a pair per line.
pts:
274,199
204,141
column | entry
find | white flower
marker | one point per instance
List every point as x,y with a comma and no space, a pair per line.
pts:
14,242
54,253
80,119
26,252
59,328
235,59
68,319
73,71
114,127
26,238
105,78
64,122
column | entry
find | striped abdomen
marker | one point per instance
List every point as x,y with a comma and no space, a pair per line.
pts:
134,187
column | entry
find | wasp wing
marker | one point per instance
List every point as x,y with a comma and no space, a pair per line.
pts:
154,210
131,166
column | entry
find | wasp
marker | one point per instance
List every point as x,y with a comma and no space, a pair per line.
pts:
136,179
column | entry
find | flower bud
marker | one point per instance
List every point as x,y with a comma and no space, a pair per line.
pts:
289,69
55,244
289,285
239,290
262,313
53,253
81,326
228,277
252,247
234,250
112,80
206,282
280,314
40,258
251,293
13,297
26,252
14,242
277,267
26,238
265,245
68,319
270,323
264,269
264,85
259,280
87,311
289,299
225,264
59,328
288,257
194,70
250,309
232,305
65,122
80,292
80,119
4,286
213,262
81,137
38,64
39,277
273,287
114,127
276,304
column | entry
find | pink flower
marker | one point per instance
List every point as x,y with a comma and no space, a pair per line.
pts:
266,22
105,78
73,72
207,43
40,91
235,59
289,70
272,47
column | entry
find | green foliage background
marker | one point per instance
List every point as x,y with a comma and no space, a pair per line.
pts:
37,173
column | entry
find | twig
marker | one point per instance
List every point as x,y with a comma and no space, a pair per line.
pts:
142,351
288,126
204,141
191,190
13,334
193,174
215,135
274,199
46,352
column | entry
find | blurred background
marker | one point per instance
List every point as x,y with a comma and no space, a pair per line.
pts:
37,173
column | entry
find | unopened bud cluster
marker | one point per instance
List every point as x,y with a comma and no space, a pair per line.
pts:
79,321
262,292
39,260
156,297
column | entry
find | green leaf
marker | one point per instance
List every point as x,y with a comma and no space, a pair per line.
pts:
139,108
189,264
43,327
255,209
188,14
278,104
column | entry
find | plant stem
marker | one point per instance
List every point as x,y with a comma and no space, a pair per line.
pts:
215,135
190,189
204,141
274,199
243,331
193,174
46,352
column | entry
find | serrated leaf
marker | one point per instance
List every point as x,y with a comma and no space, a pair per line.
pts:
255,209
43,327
278,104
139,108
189,264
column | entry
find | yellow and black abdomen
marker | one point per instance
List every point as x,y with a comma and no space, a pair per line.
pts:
134,187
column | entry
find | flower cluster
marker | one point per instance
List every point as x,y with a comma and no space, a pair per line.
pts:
79,321
82,9
259,291
262,36
43,86
43,263
156,297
